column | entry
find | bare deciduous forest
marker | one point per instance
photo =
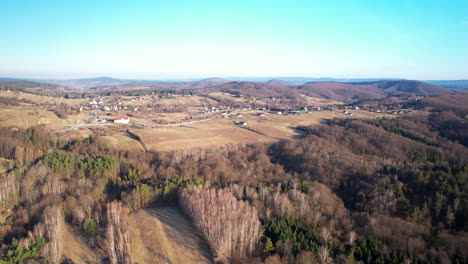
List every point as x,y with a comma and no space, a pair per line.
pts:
348,191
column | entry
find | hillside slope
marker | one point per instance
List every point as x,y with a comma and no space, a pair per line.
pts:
279,82
76,249
369,90
164,235
260,90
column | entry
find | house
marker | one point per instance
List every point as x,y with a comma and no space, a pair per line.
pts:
242,123
122,120
278,112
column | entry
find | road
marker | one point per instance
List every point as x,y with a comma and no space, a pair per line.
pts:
188,123
76,126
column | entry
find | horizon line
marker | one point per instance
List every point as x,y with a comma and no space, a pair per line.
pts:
223,77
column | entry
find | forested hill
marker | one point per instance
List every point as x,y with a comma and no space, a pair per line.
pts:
350,191
370,90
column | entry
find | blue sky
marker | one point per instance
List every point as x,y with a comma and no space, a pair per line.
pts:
411,39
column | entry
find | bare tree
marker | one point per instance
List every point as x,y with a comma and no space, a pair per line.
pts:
8,189
54,224
230,226
307,257
352,237
325,234
118,241
53,185
324,255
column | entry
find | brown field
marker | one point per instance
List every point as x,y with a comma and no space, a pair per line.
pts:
172,131
150,119
177,101
33,116
204,134
225,96
320,101
42,99
164,235
76,249
221,131
120,141
157,235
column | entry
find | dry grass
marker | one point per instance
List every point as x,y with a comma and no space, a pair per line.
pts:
320,101
164,235
120,141
220,131
4,165
76,249
26,116
228,97
42,99
177,101
210,133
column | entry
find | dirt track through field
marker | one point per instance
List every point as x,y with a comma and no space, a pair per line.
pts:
164,235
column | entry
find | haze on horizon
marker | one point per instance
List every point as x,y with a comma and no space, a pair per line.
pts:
411,39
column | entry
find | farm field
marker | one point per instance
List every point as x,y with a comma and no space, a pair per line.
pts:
222,131
32,116
174,131
121,141
42,99
210,133
176,100
320,101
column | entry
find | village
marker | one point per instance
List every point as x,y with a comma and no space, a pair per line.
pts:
172,121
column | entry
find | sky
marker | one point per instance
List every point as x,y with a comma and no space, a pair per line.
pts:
152,39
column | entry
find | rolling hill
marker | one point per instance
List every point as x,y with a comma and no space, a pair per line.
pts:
258,89
279,82
454,85
369,90
91,82
26,84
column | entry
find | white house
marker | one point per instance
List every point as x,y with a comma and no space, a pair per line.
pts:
122,120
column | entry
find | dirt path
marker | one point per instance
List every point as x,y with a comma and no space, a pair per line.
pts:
164,235
189,123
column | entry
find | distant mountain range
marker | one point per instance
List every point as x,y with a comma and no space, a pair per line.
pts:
345,90
86,83
352,91
454,85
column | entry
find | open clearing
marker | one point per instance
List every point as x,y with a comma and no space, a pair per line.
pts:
164,235
33,116
222,131
120,141
42,99
173,101
76,249
157,235
320,101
